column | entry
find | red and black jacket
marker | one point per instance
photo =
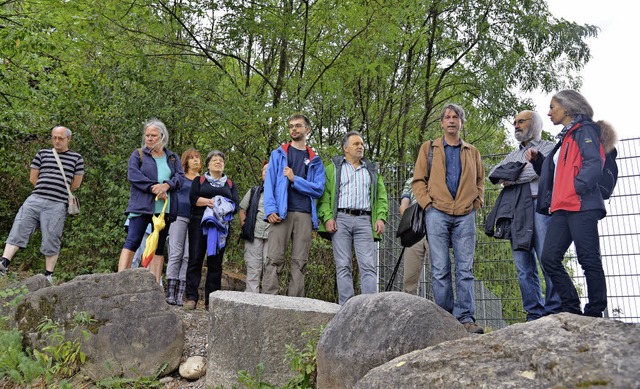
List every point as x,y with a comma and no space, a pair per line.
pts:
572,185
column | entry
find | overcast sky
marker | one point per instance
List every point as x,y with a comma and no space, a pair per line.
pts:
610,80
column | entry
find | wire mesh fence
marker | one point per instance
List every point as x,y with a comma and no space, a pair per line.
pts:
497,293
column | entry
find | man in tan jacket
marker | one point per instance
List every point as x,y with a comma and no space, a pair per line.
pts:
450,196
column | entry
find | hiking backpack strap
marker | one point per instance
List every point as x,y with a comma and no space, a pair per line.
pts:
203,178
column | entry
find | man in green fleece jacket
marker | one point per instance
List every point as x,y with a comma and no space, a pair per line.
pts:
353,210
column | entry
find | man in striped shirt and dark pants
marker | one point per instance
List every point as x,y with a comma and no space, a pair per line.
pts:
46,207
353,210
528,132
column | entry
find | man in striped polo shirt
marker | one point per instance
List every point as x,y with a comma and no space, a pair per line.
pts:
46,207
353,210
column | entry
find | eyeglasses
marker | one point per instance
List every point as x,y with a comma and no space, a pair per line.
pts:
297,126
520,121
59,137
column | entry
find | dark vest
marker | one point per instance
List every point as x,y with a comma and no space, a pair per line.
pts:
249,225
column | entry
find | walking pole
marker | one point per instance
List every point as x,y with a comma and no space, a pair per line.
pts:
395,271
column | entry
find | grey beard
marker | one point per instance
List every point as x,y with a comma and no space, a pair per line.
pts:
523,137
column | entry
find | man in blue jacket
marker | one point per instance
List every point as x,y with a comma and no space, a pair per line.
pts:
295,179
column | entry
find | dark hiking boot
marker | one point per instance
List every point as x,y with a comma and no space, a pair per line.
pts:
473,328
171,291
182,285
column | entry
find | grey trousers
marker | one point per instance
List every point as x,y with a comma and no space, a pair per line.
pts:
255,256
178,249
354,231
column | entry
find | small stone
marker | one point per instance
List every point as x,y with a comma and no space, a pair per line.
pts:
528,374
166,380
193,368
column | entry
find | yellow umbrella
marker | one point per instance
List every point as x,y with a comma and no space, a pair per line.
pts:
152,240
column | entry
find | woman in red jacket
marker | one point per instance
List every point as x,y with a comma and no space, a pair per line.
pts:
568,190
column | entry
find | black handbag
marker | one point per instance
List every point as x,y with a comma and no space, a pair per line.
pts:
411,228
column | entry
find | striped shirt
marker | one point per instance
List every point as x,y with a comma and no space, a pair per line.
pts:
355,184
528,174
50,184
407,191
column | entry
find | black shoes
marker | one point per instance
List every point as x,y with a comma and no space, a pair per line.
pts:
4,265
473,328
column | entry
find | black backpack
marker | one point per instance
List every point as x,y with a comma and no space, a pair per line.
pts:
411,228
609,174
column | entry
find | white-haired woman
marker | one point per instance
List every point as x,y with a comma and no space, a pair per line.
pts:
568,190
153,171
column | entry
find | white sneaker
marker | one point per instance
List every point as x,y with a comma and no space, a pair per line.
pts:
49,278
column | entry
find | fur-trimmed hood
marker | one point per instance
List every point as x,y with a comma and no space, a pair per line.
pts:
608,135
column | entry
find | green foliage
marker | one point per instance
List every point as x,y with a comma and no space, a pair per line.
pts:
16,365
59,359
303,361
13,295
320,278
255,381
62,357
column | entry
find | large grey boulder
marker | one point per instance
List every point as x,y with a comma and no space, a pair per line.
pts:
135,332
250,328
372,329
559,351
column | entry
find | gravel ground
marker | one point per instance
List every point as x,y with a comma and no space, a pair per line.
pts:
196,327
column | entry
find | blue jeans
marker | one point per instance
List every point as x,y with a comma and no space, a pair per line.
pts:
528,273
458,232
356,231
581,228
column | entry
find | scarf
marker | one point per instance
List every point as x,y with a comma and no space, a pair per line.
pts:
578,118
216,182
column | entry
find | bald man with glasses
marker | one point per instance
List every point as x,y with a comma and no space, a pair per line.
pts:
526,243
46,207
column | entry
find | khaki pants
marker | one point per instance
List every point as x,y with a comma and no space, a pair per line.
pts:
414,260
297,227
